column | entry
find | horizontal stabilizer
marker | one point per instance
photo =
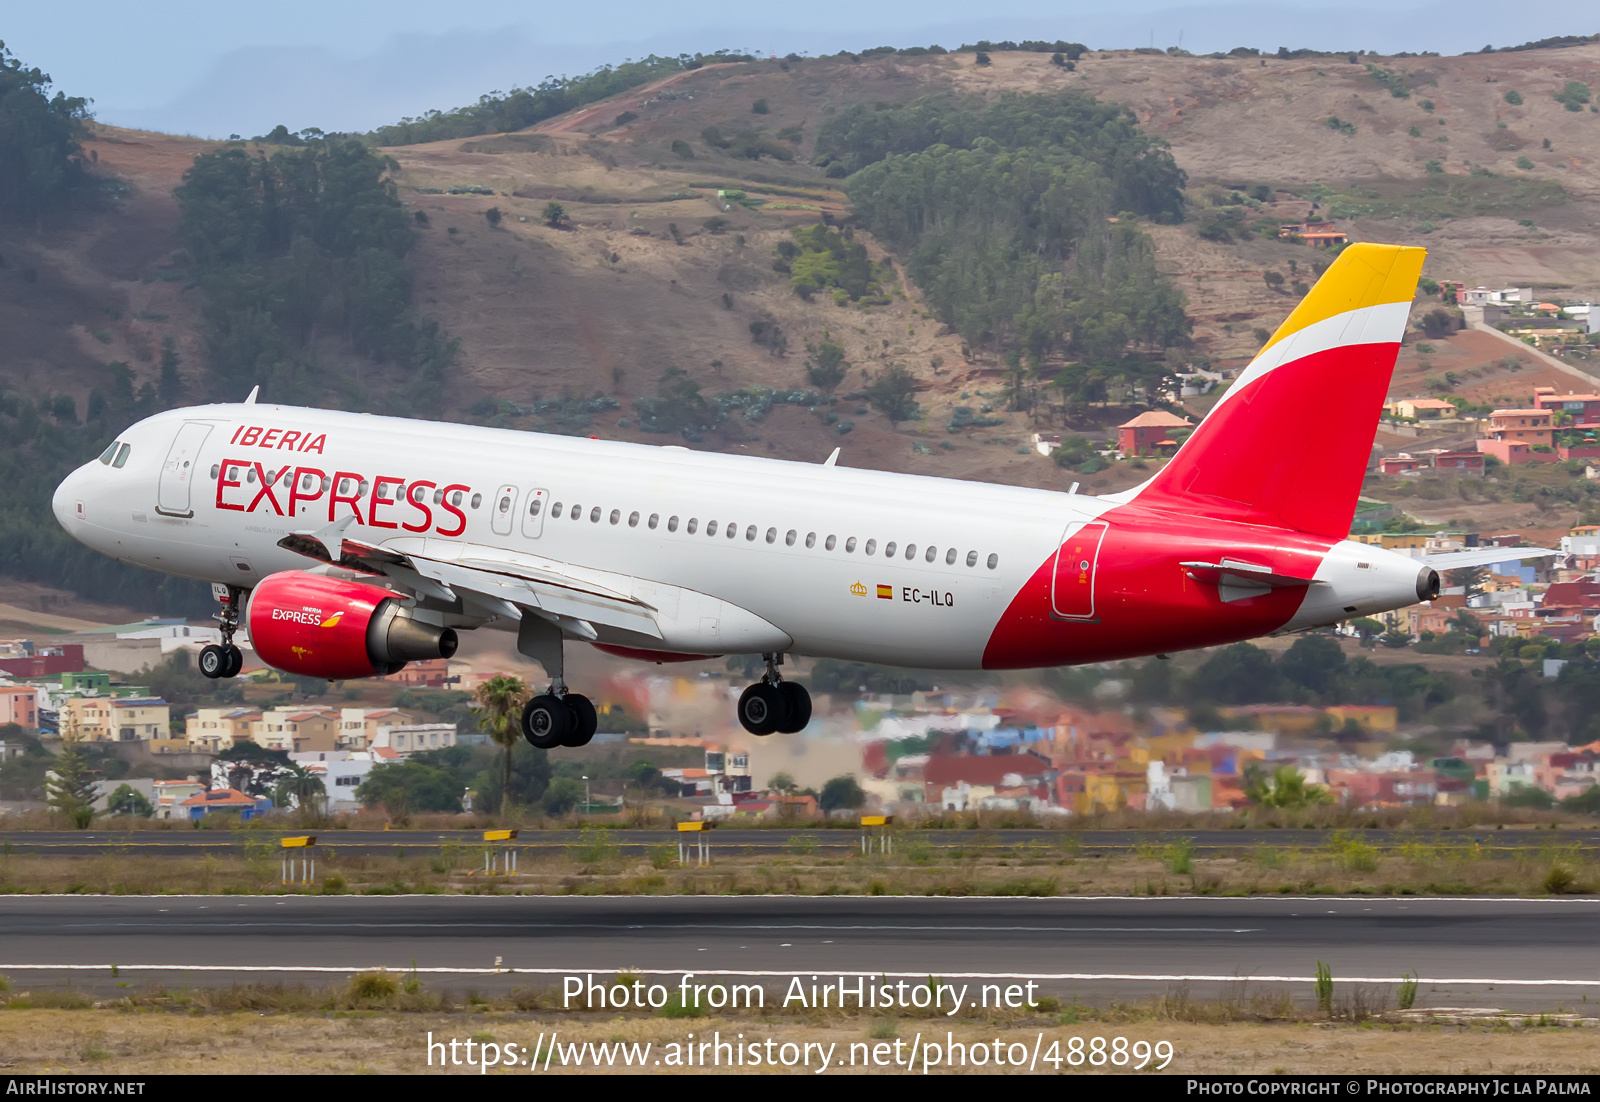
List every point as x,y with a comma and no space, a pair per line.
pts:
1228,572
1483,556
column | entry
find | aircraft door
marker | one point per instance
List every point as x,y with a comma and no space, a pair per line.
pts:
533,515
503,513
180,470
1072,588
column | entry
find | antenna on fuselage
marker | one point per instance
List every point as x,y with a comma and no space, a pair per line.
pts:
251,400
832,460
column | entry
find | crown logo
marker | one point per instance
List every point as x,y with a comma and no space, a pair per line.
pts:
859,590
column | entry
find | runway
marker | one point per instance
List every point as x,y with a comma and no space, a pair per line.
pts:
1534,954
736,840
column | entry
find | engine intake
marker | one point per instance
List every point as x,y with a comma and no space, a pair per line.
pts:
315,626
1427,584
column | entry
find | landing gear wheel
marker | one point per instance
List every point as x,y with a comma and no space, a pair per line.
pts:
235,660
546,721
762,709
798,704
584,720
214,661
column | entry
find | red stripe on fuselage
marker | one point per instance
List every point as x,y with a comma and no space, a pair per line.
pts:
1145,603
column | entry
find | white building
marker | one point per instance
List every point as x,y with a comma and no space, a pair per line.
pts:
411,738
342,772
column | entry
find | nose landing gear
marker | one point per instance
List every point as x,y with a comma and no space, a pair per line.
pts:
774,705
225,660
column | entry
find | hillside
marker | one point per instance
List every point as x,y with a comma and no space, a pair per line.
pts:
652,271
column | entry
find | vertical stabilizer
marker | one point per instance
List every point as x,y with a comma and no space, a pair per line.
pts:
1288,443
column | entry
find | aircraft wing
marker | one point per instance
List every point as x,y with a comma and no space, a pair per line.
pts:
501,582
1483,556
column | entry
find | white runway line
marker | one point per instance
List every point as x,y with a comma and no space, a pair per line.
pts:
760,973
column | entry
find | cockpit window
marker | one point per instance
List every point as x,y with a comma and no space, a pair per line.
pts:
111,449
122,456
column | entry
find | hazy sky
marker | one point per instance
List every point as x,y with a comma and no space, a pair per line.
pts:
212,69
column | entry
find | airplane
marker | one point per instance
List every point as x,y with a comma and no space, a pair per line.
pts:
348,544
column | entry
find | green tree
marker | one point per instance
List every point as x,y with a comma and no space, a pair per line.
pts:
563,795
825,365
407,787
500,700
1367,628
783,784
299,787
892,393
555,215
1314,663
41,155
1284,788
1236,674
70,787
841,792
127,800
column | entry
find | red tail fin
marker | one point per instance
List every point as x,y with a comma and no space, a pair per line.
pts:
1288,444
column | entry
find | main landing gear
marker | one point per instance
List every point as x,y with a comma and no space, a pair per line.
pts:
773,704
557,717
225,660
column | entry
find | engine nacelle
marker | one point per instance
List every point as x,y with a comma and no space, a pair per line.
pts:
316,626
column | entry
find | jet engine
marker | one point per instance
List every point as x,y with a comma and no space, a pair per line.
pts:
315,626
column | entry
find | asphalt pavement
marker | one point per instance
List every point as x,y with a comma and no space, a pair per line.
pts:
1532,954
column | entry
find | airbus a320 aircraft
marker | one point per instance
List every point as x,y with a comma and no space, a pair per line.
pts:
348,544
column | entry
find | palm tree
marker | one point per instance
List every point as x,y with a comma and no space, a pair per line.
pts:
500,700
301,786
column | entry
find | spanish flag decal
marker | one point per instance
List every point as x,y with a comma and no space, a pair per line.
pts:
886,593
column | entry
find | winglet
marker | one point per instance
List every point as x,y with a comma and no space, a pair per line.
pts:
832,460
251,399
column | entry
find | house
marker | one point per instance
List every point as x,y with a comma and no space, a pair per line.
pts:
44,661
1150,433
126,719
1518,436
167,797
296,729
1402,463
411,738
225,801
19,704
213,730
341,771
358,727
1320,234
1421,409
1459,463
1583,409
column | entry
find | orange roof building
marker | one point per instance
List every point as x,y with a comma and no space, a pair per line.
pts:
1150,433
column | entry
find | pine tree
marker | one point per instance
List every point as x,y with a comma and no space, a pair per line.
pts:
70,788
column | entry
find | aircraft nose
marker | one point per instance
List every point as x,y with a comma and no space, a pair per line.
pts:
68,501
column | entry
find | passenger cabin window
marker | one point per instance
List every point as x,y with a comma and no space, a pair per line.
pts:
438,496
616,515
750,533
538,503
911,551
215,467
994,561
733,528
772,535
888,549
790,537
672,524
711,527
831,540
555,510
692,525
950,557
477,500
811,539
654,518
850,546
972,558
594,515
933,553
577,512
504,506
633,520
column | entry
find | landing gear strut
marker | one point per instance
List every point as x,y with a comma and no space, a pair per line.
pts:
557,717
225,660
773,704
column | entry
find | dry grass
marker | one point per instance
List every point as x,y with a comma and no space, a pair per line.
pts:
277,1029
925,863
